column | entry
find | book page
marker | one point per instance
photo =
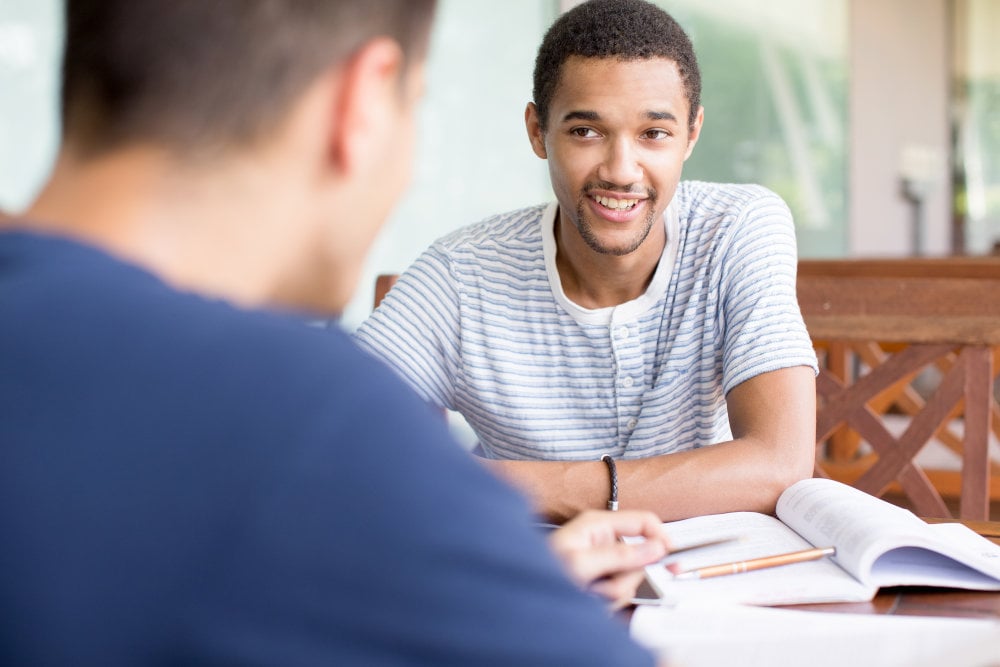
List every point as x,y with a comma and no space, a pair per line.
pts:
881,544
959,545
759,535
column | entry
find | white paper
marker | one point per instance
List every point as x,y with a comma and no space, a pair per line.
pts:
715,635
812,581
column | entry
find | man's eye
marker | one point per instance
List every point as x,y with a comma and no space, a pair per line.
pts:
584,132
657,134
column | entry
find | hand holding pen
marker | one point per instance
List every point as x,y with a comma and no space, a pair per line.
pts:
594,553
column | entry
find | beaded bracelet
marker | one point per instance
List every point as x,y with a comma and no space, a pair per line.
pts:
613,501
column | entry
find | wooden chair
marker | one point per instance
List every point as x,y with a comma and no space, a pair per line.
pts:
894,318
383,283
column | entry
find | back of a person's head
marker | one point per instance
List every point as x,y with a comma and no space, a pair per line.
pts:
619,29
206,75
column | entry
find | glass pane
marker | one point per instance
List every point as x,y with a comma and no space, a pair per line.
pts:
30,48
774,88
977,100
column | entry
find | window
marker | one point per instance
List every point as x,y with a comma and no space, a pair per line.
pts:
774,88
977,123
30,39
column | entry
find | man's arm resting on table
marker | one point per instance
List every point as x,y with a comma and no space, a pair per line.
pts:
773,420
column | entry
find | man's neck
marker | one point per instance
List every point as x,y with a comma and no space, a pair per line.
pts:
186,225
594,280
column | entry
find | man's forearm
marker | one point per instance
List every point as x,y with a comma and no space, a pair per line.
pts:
559,490
728,477
773,419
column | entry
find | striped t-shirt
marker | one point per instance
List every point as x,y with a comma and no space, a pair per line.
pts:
480,324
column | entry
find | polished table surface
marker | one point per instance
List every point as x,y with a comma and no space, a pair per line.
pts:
915,601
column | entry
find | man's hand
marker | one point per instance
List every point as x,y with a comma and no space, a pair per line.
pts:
590,548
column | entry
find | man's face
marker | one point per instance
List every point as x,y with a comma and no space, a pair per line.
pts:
617,138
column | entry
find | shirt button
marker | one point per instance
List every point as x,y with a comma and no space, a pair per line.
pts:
628,382
632,423
622,333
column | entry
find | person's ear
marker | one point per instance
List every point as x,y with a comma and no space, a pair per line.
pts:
368,105
694,132
535,134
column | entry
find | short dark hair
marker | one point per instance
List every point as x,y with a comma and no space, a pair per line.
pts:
196,75
622,29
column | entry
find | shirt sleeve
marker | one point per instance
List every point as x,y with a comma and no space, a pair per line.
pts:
401,551
763,327
415,330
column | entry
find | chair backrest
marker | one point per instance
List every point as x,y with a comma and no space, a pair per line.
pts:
877,324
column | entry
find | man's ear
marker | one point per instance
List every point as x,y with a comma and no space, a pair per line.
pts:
694,132
534,126
367,106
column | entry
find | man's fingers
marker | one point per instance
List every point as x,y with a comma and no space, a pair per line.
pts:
591,548
612,559
598,527
637,522
625,522
619,589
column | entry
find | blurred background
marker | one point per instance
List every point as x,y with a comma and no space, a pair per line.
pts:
877,120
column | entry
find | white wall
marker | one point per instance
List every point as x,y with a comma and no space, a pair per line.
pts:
900,55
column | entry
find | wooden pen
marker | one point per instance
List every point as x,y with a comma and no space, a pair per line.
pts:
752,564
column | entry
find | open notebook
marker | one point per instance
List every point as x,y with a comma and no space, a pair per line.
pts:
878,544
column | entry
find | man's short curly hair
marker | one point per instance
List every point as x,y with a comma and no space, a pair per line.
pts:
622,29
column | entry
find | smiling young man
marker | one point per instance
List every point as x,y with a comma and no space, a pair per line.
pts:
639,318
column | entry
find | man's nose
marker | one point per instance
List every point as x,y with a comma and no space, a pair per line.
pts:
620,165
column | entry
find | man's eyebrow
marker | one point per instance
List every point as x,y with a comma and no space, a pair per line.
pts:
582,115
593,116
661,115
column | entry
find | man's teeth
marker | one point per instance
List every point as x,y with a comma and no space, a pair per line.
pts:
616,204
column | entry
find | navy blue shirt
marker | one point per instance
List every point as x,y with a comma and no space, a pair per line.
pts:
185,482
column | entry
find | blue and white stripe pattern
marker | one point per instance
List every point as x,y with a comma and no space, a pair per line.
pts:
480,324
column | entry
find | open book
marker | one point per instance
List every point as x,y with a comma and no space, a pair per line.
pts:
878,544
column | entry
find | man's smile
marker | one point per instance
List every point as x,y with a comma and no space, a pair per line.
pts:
615,204
618,207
